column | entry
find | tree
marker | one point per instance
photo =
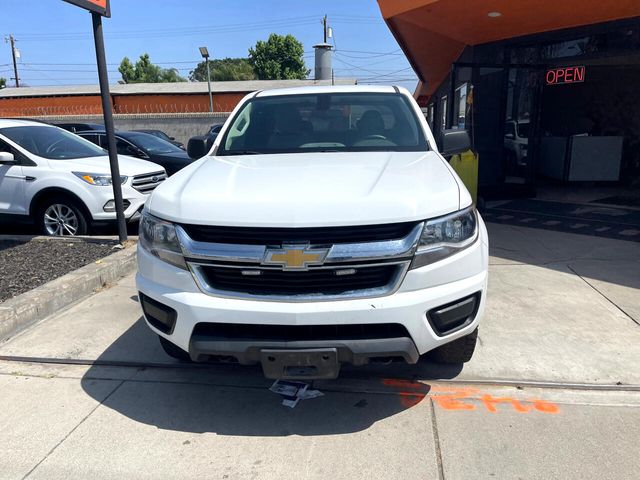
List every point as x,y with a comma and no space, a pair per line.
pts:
146,72
280,57
3,83
223,70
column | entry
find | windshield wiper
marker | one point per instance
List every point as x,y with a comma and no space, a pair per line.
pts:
242,152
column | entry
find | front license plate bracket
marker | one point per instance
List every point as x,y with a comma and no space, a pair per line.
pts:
301,364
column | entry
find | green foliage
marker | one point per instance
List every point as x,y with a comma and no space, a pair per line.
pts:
279,58
3,82
146,72
223,70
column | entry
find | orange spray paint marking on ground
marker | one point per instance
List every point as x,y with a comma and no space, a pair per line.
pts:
490,402
460,398
410,393
452,398
545,407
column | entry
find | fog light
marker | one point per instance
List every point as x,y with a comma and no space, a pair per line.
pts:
110,206
455,315
159,315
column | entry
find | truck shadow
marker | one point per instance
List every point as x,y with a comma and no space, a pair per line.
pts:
229,399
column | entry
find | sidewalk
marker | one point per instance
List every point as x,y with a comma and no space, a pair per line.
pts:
562,308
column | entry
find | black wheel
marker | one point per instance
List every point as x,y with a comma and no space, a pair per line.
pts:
60,215
173,350
458,351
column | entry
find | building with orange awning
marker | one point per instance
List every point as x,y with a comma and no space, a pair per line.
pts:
547,89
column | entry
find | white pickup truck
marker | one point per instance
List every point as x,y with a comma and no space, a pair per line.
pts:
323,227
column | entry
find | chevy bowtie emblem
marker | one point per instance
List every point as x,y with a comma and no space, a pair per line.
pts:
295,257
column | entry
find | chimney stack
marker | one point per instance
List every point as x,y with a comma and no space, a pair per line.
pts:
323,68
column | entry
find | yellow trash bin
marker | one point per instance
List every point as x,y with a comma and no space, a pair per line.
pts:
466,166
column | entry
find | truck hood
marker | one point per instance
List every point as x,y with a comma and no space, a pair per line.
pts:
129,166
307,190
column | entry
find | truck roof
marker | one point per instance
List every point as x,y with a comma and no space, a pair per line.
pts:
332,89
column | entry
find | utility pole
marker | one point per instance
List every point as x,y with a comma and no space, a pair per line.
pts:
12,41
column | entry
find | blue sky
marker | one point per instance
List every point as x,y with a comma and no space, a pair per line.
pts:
56,46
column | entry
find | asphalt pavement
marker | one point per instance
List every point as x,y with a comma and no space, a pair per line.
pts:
552,392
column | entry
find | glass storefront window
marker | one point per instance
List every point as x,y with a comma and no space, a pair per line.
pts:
443,111
430,114
602,44
460,107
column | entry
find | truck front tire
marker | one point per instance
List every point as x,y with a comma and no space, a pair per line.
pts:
458,351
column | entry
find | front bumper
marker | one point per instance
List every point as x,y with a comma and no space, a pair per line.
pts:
422,290
131,213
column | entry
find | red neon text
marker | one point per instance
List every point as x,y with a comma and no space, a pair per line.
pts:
559,76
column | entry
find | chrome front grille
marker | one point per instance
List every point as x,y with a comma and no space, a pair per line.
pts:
359,269
310,283
148,182
315,235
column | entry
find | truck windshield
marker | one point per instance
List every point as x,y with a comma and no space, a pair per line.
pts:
52,142
340,122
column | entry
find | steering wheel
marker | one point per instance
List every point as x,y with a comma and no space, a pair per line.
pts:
375,137
54,146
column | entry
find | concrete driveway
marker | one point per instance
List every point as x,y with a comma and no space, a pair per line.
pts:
552,392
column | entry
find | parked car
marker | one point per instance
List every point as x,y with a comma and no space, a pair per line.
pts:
144,146
79,127
516,143
323,228
215,129
213,132
62,182
164,136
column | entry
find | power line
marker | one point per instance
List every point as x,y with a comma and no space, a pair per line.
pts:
374,53
171,33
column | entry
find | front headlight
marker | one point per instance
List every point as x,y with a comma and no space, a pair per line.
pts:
98,179
159,238
444,236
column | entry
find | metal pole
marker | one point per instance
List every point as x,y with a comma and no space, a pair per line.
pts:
209,85
451,99
108,124
15,65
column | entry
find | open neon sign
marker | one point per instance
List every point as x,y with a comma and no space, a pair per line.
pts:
565,75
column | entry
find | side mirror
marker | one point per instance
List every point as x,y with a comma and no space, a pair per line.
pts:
172,138
454,142
510,136
7,158
198,147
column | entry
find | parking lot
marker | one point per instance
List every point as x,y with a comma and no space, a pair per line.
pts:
553,390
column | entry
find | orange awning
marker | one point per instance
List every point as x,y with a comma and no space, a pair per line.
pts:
433,33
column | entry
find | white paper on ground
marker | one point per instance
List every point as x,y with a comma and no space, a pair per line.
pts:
292,392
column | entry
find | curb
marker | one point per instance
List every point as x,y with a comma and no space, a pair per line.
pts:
18,313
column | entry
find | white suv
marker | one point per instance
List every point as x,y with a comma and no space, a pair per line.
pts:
62,181
323,228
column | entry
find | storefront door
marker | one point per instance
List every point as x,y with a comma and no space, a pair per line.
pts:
521,139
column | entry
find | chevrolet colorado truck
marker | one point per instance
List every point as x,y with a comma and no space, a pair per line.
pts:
322,228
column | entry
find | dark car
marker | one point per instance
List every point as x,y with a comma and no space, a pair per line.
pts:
215,129
212,134
79,127
162,135
144,146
